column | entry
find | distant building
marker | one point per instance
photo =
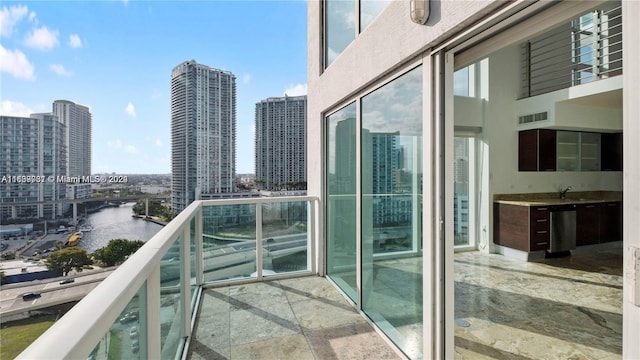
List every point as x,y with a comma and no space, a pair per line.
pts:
77,121
203,133
79,191
32,156
280,143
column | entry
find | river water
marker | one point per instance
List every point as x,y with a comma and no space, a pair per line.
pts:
116,223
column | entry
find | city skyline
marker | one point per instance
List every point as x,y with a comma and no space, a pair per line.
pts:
116,59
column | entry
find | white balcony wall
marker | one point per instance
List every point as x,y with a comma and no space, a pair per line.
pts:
631,197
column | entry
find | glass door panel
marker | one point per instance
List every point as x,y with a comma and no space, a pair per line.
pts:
391,210
341,199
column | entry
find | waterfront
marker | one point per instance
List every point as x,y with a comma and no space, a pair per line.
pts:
116,223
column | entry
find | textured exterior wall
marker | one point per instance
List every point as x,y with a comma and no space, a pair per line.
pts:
631,174
368,58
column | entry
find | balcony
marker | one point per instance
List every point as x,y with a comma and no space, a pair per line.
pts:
207,259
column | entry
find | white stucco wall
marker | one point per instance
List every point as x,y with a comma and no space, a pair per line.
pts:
631,165
368,58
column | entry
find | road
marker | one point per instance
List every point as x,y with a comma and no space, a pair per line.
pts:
52,293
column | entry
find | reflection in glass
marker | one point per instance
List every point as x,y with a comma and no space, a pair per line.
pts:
339,28
341,199
192,256
229,241
369,9
171,313
126,338
461,193
284,237
391,210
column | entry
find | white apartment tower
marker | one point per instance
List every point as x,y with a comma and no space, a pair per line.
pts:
77,120
203,132
280,143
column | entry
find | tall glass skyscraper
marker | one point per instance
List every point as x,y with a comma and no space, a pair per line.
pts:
203,132
280,144
77,121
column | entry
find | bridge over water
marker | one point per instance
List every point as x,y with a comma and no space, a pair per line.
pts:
75,202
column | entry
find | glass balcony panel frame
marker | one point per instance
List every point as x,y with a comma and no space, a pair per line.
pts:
140,277
258,252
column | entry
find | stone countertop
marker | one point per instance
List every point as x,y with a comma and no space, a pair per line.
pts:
548,199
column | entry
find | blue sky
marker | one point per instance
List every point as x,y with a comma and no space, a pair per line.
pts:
116,58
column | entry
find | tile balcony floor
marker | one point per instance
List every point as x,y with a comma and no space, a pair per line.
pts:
561,308
301,318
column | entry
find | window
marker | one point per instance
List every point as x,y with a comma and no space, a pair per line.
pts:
344,20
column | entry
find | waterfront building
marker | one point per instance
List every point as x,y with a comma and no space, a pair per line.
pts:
32,156
203,133
77,121
280,142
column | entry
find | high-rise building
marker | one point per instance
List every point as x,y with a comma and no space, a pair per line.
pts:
77,120
32,156
203,133
280,143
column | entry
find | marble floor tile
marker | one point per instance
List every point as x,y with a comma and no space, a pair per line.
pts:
559,308
304,318
283,347
317,314
352,341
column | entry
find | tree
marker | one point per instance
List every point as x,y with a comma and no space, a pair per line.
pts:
68,259
8,256
156,208
117,251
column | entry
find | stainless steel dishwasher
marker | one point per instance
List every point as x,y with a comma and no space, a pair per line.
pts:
563,228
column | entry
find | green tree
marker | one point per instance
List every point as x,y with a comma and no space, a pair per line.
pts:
8,256
155,209
68,259
117,251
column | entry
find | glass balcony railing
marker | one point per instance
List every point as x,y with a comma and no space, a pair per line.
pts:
145,309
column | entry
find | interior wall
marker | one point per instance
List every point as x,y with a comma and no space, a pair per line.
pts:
498,144
501,133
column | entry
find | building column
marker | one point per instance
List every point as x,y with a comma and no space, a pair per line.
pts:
75,213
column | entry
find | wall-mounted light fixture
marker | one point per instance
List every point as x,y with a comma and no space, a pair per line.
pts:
419,11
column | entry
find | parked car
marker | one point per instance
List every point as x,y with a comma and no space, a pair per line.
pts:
31,295
67,281
133,332
135,346
128,318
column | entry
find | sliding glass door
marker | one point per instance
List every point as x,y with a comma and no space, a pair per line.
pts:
385,139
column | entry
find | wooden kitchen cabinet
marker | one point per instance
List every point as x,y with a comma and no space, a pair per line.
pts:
587,224
610,221
539,228
525,228
537,150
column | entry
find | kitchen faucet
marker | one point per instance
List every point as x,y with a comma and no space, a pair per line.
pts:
563,192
